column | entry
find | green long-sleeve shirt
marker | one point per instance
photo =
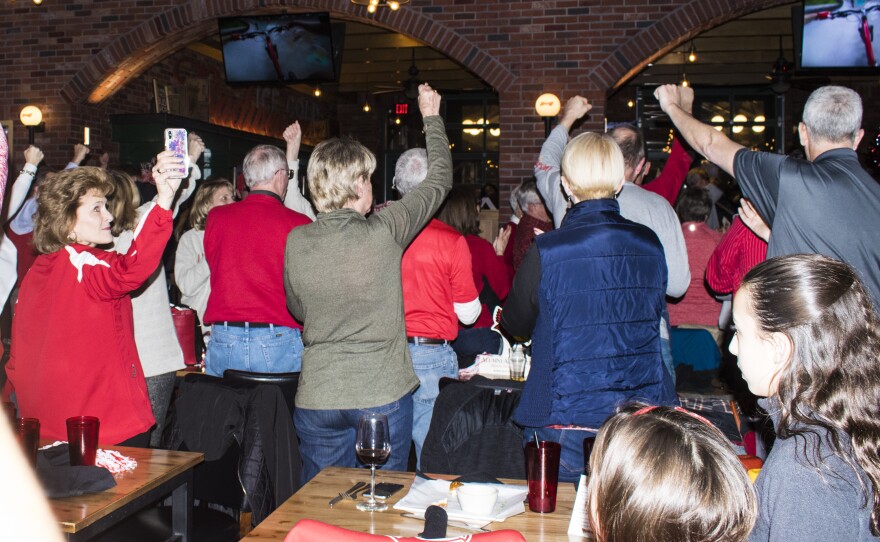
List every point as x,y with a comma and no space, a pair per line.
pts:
342,278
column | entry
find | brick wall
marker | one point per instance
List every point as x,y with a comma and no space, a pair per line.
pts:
82,60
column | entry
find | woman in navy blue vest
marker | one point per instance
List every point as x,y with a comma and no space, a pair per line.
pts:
589,295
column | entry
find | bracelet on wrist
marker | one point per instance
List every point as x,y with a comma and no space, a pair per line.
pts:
26,172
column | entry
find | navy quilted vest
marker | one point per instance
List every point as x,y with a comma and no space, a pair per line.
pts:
596,342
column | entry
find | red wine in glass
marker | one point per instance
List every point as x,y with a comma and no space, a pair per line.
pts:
373,446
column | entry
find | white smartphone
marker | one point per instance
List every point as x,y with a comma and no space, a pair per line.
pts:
176,141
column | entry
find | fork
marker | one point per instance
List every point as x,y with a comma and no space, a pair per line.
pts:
348,494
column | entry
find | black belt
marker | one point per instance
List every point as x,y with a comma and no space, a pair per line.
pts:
426,341
247,324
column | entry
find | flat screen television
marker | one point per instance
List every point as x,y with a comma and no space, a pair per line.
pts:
837,35
288,48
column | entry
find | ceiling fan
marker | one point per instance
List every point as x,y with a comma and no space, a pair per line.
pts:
410,87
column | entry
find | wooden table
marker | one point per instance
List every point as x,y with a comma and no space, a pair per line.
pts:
158,473
311,502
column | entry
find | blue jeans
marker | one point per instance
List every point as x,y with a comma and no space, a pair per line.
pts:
327,437
430,363
571,458
274,349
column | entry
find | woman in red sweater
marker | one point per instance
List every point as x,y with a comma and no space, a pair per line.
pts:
73,350
491,275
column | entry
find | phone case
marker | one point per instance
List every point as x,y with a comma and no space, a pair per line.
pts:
385,490
176,141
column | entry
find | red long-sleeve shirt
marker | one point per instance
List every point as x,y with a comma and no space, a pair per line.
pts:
668,183
73,350
244,248
486,264
738,252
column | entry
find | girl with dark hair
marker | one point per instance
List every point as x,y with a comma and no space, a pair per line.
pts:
695,490
807,339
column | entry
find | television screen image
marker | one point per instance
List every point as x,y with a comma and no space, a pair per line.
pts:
278,48
841,34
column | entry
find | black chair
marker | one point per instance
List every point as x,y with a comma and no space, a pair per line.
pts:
472,432
288,382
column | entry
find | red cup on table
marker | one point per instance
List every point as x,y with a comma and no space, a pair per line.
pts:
29,436
542,469
82,435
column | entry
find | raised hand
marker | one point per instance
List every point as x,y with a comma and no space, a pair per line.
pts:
429,100
33,155
575,108
750,217
500,244
293,136
167,175
80,152
195,147
673,95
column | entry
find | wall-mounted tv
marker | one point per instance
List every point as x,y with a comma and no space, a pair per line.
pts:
835,35
288,48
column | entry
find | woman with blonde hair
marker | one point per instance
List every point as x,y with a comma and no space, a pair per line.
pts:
73,348
663,474
191,270
807,338
589,294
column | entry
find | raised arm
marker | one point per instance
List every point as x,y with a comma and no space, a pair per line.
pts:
547,169
294,200
129,271
32,157
706,140
409,215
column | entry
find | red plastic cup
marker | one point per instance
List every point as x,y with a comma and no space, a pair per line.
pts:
542,468
29,437
82,435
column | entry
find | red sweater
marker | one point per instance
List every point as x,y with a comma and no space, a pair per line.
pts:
698,306
244,248
738,252
669,182
486,264
436,273
73,350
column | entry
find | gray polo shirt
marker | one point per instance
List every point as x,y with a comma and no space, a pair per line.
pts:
829,206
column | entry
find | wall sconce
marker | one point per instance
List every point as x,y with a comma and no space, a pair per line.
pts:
372,5
317,92
547,106
32,118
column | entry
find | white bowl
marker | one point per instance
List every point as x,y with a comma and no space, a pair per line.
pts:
478,500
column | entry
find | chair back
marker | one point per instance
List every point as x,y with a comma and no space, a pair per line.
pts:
288,382
309,530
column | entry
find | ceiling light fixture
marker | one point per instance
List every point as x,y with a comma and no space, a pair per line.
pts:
373,5
317,92
684,80
692,54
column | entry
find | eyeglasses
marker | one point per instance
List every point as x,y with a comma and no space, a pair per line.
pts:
291,174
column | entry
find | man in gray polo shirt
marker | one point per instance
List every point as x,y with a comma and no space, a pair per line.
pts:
826,204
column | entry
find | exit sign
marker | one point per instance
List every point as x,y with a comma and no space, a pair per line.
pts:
401,109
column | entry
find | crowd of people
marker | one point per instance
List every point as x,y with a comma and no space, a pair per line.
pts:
606,272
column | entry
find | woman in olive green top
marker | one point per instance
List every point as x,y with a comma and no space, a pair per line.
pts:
342,277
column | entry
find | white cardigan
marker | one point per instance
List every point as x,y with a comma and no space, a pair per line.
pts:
154,332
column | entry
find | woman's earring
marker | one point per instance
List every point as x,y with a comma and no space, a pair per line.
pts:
72,236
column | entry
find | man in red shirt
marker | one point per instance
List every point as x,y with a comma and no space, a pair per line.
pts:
438,291
252,330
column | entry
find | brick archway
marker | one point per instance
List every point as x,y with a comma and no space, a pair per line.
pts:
677,27
133,52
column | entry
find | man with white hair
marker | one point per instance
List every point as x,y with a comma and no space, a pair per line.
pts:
252,330
826,204
534,216
438,292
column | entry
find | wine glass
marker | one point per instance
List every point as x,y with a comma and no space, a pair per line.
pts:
373,446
